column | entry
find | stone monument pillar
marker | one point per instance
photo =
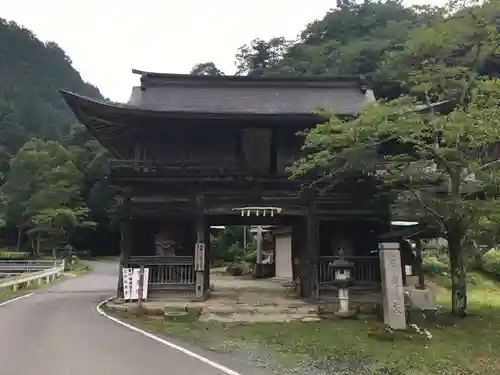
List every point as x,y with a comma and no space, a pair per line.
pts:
392,285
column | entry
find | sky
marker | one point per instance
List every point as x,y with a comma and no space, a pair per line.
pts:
105,39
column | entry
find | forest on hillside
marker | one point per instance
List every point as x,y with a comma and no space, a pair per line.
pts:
386,42
52,171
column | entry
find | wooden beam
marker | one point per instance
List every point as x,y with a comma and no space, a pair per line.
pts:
250,220
202,264
125,241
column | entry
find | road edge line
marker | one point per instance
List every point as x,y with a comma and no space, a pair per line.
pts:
16,299
189,353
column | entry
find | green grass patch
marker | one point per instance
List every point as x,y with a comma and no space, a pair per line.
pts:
7,293
13,254
22,289
108,258
361,346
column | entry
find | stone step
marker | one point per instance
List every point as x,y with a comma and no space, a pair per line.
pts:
259,310
325,309
259,318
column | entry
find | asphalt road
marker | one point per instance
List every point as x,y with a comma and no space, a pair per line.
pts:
58,331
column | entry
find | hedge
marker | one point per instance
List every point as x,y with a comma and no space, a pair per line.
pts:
491,263
433,266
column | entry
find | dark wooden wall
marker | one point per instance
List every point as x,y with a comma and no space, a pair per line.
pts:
217,146
287,147
203,146
361,236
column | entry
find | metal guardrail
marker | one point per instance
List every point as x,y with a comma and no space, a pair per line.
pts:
35,271
21,266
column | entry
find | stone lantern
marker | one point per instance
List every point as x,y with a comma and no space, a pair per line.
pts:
343,279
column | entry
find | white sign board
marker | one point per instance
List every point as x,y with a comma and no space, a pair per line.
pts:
131,283
199,254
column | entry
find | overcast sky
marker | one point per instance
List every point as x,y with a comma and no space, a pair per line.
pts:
107,38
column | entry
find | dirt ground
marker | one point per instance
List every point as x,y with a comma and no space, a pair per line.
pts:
237,299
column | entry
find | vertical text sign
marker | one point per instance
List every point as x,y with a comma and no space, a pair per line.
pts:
392,280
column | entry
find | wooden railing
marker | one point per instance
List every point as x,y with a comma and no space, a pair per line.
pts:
366,269
125,168
166,272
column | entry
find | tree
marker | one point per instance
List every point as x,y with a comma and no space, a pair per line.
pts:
350,40
440,60
42,177
229,245
2,219
253,59
441,166
93,161
30,76
55,225
206,69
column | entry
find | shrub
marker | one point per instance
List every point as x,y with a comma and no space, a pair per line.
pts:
234,270
491,263
251,257
433,266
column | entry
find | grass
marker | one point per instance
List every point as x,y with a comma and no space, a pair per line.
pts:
108,258
462,347
78,268
22,289
12,254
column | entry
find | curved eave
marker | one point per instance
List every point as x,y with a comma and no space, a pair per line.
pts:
94,114
116,125
108,109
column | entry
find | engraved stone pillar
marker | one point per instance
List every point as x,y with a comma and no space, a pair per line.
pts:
392,285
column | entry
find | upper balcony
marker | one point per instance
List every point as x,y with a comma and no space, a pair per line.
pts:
126,170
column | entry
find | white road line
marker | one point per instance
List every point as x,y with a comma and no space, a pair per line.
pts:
207,361
16,299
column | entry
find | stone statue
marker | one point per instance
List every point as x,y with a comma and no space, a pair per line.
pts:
165,246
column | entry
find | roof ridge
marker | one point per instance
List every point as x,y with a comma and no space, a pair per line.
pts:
158,79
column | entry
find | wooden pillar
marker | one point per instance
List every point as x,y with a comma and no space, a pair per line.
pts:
299,251
312,225
419,261
202,269
259,240
295,249
206,275
125,241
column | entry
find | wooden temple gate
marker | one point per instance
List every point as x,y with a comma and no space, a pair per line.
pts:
189,150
